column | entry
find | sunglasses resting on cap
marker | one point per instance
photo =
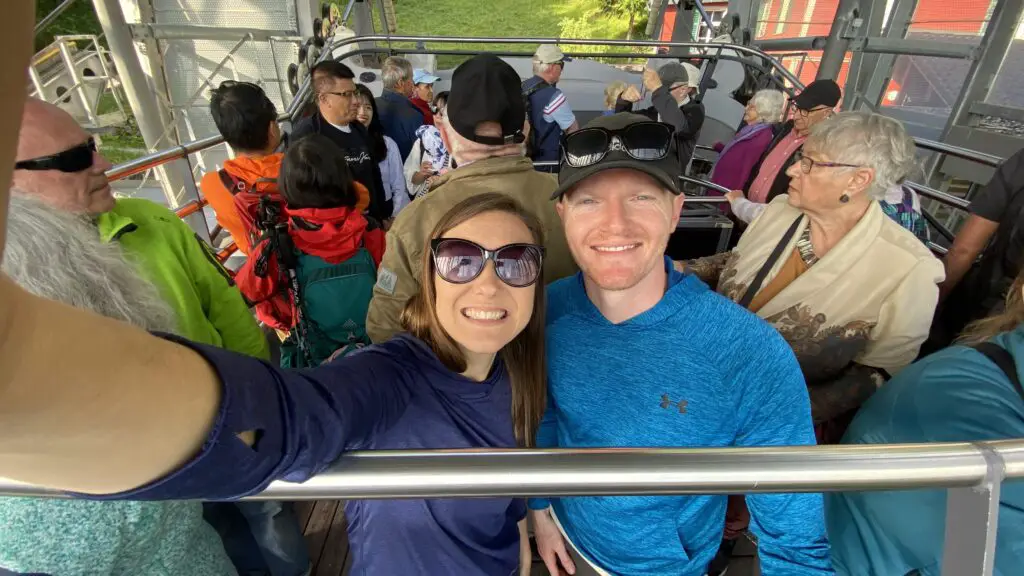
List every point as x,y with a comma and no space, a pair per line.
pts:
74,159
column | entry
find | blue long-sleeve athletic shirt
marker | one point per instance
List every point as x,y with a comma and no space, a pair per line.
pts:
696,370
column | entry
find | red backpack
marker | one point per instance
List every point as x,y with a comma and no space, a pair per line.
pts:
247,200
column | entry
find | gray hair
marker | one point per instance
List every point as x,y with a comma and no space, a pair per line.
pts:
59,255
769,105
396,69
541,67
869,140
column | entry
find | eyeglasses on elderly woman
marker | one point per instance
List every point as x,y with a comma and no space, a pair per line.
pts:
807,164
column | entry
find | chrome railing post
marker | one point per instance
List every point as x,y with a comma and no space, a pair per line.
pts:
972,516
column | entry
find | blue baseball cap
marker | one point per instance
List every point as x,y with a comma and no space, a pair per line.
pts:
421,76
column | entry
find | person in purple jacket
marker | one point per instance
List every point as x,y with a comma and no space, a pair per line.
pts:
470,373
741,155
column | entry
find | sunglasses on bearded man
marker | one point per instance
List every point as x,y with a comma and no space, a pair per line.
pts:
74,159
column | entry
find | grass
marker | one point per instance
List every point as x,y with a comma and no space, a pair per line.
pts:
507,18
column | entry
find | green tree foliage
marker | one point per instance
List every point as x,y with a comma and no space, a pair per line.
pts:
79,18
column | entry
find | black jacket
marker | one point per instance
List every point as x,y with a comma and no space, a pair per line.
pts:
356,146
781,183
687,120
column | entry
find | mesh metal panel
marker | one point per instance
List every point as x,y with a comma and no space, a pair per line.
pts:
189,62
255,14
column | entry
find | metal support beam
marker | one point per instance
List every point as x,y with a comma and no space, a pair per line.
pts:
873,13
972,516
838,39
173,177
881,72
682,30
179,32
913,47
999,34
53,15
791,44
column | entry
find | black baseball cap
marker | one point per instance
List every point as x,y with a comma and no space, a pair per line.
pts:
665,171
818,93
486,89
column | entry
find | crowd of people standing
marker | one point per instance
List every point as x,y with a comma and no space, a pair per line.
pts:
475,302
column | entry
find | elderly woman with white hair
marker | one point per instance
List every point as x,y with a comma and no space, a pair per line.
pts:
850,289
739,157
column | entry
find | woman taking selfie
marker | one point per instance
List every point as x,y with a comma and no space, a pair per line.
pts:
468,374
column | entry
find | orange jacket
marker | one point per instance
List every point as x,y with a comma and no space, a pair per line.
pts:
248,169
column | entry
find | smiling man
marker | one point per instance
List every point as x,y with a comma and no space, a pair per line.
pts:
640,355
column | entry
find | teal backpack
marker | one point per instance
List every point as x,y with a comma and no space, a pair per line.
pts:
332,303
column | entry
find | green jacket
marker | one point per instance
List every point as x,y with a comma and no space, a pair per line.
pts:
209,308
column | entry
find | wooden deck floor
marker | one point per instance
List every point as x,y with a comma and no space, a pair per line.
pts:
326,531
323,523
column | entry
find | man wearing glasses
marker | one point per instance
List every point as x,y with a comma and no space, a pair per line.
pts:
334,88
640,355
814,104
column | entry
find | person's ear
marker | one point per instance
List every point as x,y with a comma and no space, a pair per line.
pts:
860,181
677,208
560,208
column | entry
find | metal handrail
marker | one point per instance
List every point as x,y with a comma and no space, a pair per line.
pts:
957,151
627,471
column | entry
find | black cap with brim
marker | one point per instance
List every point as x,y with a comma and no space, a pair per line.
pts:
486,89
822,92
665,171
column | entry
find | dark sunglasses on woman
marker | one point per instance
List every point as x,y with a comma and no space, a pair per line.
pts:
644,141
459,261
74,159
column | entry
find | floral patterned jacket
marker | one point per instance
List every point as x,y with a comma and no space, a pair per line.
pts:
854,317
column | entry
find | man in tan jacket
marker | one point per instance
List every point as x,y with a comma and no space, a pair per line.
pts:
485,117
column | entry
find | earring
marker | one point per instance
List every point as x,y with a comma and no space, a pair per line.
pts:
844,198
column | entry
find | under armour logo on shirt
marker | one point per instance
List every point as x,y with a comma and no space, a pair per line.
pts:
667,403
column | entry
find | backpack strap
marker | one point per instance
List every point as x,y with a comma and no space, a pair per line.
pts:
1004,360
234,185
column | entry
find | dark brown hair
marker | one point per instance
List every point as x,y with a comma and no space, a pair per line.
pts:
524,356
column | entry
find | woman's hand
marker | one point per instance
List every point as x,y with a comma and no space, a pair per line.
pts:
734,195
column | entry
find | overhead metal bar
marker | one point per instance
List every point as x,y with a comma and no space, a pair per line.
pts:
914,47
181,32
791,44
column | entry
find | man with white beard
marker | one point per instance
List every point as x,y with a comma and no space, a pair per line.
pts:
59,256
